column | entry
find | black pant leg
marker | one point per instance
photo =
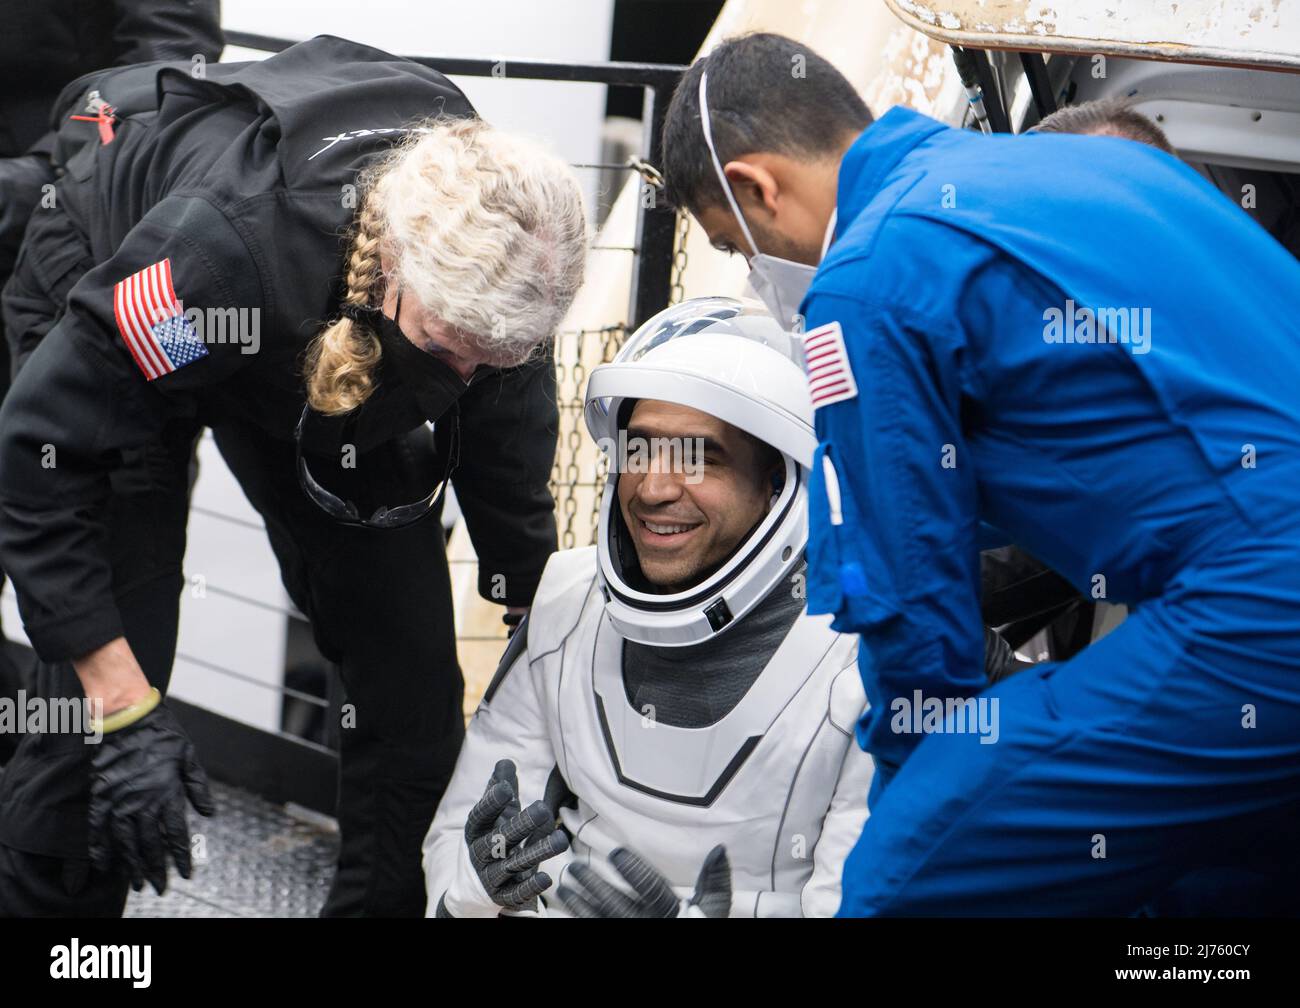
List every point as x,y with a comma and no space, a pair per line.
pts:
380,607
390,608
45,789
37,885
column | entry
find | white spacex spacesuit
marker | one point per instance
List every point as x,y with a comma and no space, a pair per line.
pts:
778,778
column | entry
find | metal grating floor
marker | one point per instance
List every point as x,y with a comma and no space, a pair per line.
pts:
260,862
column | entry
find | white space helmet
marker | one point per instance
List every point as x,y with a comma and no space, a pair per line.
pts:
733,361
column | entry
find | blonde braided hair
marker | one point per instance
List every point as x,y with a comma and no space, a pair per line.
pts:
341,361
486,230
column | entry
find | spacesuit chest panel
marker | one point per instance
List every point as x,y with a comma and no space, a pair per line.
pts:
693,766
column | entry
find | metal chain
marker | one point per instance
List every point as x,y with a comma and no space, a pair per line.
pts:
611,340
561,489
646,170
677,294
567,483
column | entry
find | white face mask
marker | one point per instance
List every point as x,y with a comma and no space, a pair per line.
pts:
780,283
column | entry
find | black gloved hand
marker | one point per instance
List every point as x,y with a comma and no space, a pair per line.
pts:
503,847
543,834
594,897
140,778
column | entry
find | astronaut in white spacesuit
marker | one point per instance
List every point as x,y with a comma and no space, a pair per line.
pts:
667,701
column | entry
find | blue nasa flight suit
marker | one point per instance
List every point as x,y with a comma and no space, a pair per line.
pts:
1162,472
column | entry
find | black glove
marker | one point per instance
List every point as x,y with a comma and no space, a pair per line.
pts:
140,778
594,897
503,847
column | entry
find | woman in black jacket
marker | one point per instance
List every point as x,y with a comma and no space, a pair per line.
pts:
43,47
314,256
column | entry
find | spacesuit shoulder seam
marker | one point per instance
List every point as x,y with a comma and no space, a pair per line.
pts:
564,592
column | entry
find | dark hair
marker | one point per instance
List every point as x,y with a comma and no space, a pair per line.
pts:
766,93
1108,117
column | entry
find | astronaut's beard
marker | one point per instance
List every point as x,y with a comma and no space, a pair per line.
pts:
634,574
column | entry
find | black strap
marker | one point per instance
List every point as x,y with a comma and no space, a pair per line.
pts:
357,313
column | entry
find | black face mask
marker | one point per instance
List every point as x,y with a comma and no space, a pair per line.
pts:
433,383
412,387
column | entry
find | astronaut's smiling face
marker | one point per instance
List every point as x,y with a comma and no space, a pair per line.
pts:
685,520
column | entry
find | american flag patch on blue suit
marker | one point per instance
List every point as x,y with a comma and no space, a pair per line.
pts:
152,322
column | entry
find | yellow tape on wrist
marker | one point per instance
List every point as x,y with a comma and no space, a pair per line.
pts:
128,715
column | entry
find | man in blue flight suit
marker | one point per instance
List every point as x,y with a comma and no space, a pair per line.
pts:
1078,342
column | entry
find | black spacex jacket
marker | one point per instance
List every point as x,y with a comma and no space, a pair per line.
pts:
238,182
